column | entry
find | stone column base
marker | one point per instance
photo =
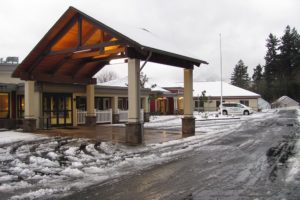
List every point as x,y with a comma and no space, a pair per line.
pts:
135,133
29,125
115,118
146,117
188,126
90,121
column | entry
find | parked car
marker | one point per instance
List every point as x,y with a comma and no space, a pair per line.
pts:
229,108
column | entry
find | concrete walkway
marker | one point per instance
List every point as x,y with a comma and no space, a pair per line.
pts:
116,134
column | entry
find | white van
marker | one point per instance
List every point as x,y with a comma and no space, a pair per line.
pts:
236,109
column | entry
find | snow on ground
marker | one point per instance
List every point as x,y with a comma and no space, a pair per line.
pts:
13,136
34,166
294,161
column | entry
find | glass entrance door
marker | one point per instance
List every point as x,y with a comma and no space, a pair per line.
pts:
58,109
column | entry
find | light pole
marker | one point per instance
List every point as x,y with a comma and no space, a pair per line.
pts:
221,101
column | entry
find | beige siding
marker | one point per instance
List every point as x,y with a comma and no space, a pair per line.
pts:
210,105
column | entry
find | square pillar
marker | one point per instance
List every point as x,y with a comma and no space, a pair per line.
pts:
29,123
134,127
188,120
146,109
175,105
115,108
90,105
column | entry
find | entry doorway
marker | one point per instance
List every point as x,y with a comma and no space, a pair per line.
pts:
57,109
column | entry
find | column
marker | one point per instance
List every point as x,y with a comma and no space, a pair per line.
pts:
146,109
175,106
134,127
90,105
188,120
115,108
29,123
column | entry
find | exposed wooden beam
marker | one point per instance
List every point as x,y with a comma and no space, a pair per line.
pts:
158,58
36,63
79,33
57,78
100,46
63,31
97,53
59,65
97,65
96,69
89,35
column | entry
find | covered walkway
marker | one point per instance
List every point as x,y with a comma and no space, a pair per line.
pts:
75,49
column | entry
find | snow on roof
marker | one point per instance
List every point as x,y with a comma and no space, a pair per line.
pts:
143,36
286,100
213,89
123,82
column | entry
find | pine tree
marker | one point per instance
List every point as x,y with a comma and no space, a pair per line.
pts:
257,78
240,76
271,68
289,62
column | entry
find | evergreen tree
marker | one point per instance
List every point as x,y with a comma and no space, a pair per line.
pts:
240,76
271,68
257,78
289,62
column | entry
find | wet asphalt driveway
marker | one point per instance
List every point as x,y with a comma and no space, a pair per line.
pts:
251,162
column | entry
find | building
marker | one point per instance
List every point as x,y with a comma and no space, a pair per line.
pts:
11,94
61,68
284,101
58,105
167,98
207,95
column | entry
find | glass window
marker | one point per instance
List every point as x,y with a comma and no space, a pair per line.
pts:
245,102
123,103
4,105
21,106
81,103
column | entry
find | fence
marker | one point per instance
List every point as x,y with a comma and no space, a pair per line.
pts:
102,116
123,115
105,116
81,117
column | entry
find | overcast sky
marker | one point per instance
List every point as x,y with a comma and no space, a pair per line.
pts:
193,25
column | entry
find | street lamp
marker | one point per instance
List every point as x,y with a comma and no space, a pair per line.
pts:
221,102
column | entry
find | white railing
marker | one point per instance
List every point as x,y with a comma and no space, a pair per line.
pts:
104,116
81,116
142,115
123,115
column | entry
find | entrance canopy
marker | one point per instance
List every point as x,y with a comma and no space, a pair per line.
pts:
78,46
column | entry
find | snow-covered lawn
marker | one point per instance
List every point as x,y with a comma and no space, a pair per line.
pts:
36,166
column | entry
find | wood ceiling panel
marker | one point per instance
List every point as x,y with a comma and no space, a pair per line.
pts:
68,40
48,63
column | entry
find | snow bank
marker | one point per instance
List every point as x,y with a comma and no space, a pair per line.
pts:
13,136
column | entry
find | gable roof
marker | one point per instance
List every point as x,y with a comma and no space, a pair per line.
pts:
286,100
78,46
123,82
213,89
